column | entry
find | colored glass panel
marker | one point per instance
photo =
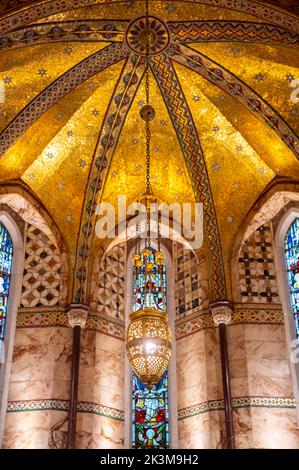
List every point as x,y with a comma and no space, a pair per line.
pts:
6,253
292,263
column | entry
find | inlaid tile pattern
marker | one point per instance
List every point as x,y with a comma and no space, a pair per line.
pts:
257,275
42,270
238,402
108,283
63,405
191,285
48,318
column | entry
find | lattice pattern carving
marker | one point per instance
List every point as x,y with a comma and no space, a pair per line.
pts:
42,271
257,274
108,284
191,282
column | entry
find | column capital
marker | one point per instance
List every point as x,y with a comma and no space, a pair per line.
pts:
77,315
222,313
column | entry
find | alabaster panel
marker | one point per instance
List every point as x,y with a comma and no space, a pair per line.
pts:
28,368
266,350
191,435
275,438
26,440
239,386
270,333
84,440
270,387
236,342
190,359
242,420
195,341
211,342
274,417
101,395
274,368
96,432
109,343
192,395
243,439
238,369
192,375
31,390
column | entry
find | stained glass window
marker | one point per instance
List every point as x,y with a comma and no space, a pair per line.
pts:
6,252
292,262
150,410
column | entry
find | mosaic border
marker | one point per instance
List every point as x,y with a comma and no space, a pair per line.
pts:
45,318
54,404
247,315
238,402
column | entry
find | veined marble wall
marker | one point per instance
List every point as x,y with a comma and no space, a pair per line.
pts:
101,387
40,381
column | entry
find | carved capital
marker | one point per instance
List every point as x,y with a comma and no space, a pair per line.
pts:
221,314
77,315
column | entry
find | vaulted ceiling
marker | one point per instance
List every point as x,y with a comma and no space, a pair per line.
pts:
225,123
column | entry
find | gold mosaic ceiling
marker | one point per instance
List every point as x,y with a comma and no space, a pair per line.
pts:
230,71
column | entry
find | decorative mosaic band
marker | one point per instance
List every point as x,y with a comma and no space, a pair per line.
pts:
239,402
241,315
63,405
44,318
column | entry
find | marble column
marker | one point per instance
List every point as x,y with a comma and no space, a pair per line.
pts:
222,317
77,316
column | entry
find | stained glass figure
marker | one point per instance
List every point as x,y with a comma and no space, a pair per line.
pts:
149,286
6,253
150,420
292,263
150,415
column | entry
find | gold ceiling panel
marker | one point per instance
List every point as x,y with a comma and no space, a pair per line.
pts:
59,174
169,176
269,70
236,171
169,11
29,70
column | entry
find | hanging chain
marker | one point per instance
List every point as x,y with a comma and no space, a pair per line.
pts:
147,132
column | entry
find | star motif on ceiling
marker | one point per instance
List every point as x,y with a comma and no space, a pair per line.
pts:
59,115
91,85
170,8
50,155
129,3
95,112
7,80
60,186
290,77
68,50
259,77
68,218
156,149
262,170
154,177
38,142
180,172
229,219
235,50
135,141
114,174
31,176
236,185
293,111
42,72
141,103
82,163
216,167
138,167
163,122
196,98
69,133
216,128
239,148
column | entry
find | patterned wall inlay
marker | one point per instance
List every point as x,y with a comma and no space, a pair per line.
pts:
249,315
43,9
63,405
108,283
257,274
42,271
238,402
40,318
191,282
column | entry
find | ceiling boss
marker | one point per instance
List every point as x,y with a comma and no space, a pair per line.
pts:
148,339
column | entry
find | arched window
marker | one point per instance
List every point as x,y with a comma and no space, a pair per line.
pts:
6,254
150,408
292,264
